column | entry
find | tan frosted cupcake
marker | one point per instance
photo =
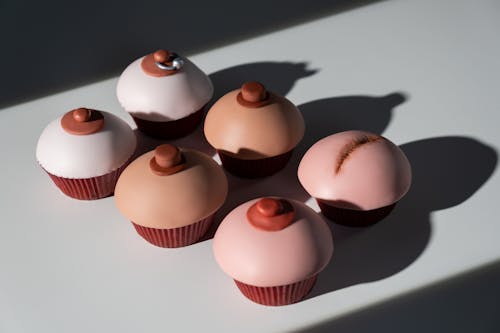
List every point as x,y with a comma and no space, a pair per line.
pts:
171,195
253,130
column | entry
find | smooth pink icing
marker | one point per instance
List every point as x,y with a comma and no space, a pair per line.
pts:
273,258
375,175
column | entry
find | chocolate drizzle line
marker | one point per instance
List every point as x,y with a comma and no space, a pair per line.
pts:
349,148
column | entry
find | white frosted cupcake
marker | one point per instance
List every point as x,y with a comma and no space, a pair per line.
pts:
84,151
165,94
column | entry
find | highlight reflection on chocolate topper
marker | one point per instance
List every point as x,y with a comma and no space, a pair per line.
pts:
165,94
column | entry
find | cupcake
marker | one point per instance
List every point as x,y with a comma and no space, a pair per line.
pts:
84,152
171,195
357,177
273,248
165,94
253,130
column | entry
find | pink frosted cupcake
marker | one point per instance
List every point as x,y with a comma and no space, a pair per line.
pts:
273,249
171,195
254,130
357,177
84,152
165,94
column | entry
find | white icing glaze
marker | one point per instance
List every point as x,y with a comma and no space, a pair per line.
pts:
85,156
164,98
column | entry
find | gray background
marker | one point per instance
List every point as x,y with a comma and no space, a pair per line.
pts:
49,46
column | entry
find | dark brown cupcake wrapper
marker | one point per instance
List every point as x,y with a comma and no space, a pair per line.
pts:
352,217
89,188
254,168
279,295
175,237
170,129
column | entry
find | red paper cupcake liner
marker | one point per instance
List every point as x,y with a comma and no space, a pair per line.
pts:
88,188
175,237
170,129
280,295
352,217
254,168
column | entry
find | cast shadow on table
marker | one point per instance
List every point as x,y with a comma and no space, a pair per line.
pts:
194,140
446,172
278,77
358,112
466,303
322,118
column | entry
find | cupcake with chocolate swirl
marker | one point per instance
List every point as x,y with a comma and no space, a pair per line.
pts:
356,177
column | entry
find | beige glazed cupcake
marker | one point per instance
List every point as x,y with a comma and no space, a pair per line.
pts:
171,195
254,130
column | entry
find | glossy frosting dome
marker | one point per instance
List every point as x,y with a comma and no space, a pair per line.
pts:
272,258
254,133
355,170
163,98
174,200
85,156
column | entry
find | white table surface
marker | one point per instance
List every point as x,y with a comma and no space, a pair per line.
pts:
425,74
